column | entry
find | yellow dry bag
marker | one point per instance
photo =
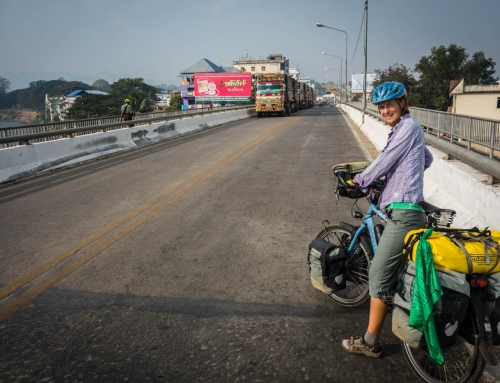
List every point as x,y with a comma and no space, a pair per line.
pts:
464,251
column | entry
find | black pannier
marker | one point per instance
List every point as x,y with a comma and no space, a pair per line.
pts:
326,266
449,312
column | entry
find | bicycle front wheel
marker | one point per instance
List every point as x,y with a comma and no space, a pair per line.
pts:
463,361
356,291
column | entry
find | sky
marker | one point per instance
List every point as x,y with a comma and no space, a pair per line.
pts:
157,39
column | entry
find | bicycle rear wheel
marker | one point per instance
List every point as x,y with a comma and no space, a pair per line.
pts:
356,291
463,361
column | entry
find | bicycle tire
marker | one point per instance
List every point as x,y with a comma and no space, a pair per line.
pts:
356,292
452,370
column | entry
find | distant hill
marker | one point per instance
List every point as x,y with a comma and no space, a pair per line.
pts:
22,80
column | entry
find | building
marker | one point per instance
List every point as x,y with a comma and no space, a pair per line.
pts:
187,75
475,100
274,63
56,107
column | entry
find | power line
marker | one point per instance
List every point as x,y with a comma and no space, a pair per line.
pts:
359,35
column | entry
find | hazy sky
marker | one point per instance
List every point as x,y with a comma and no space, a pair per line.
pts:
156,39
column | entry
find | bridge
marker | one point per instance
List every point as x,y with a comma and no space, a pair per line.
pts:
183,258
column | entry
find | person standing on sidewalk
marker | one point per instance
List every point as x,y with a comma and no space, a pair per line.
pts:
402,162
127,112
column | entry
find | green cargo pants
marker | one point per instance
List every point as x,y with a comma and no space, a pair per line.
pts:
388,257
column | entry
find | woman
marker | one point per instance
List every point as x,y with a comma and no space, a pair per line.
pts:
402,162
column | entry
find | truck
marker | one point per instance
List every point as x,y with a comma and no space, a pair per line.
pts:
305,94
275,93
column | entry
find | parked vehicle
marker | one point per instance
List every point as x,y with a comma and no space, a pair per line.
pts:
305,94
276,94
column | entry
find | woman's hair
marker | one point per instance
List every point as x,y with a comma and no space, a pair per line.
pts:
406,108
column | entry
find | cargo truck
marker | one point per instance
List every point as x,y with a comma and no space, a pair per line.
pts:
275,93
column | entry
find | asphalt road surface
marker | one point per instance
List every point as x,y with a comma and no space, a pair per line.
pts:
184,261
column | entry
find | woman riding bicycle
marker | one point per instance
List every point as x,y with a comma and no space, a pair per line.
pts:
402,162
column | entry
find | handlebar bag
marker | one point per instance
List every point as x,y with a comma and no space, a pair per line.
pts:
449,311
326,266
465,251
351,167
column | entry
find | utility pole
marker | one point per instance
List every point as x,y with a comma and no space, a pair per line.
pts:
366,45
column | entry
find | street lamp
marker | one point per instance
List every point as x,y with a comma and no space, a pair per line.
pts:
328,54
340,30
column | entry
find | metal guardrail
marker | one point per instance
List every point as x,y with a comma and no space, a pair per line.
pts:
473,140
26,134
473,133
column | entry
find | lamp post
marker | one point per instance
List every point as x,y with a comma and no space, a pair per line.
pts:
327,54
340,30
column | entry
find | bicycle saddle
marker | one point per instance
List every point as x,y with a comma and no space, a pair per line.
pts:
429,208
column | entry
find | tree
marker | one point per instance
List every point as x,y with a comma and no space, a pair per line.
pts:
4,85
445,64
176,101
4,88
124,86
102,85
480,70
140,102
94,105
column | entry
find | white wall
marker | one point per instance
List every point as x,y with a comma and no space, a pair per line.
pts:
447,184
23,161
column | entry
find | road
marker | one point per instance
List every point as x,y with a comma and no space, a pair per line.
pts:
184,261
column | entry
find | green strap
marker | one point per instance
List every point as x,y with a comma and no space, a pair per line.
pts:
426,292
405,206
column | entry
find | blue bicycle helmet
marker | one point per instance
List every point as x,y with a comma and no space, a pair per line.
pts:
388,91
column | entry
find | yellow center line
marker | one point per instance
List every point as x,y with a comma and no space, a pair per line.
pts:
200,178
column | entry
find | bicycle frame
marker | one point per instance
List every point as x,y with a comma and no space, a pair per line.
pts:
368,223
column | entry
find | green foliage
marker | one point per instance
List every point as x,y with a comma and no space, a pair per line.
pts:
4,85
356,97
94,105
102,85
176,101
40,119
480,70
124,86
33,97
445,64
140,102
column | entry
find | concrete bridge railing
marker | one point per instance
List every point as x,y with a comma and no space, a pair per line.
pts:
49,150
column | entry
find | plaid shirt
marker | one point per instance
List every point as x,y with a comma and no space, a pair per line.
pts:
403,161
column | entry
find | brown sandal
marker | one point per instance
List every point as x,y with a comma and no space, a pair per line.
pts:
359,347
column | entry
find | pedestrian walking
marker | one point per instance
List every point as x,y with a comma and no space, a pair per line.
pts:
126,111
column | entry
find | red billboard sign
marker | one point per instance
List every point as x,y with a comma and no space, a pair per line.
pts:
223,86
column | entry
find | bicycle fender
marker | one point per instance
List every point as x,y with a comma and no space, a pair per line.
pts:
349,226
485,345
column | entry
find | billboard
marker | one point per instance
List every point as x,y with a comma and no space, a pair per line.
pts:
357,83
222,86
